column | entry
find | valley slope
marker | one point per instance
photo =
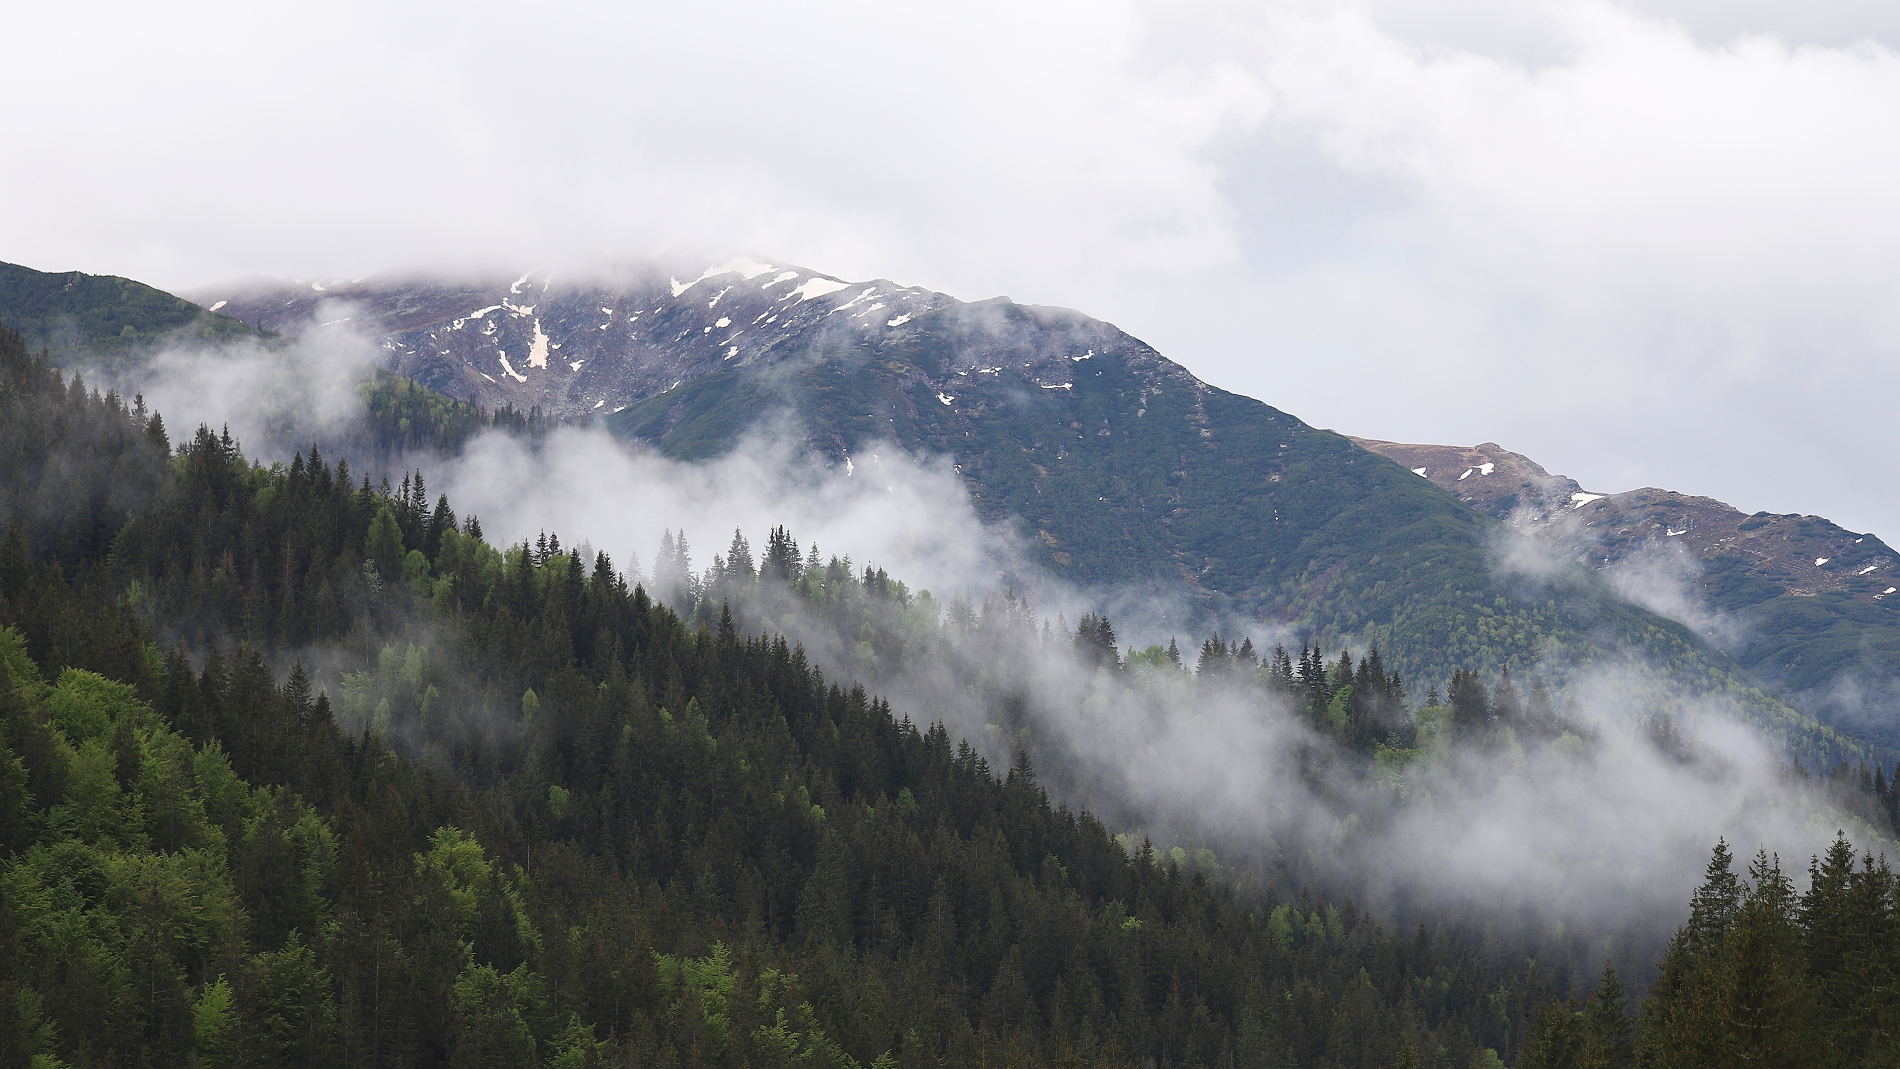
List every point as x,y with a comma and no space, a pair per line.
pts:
71,311
1806,605
1118,470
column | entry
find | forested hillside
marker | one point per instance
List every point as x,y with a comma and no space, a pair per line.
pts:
572,829
1804,605
541,818
1118,468
1115,468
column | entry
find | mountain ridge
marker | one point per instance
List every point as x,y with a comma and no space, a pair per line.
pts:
1803,603
69,311
573,348
1120,469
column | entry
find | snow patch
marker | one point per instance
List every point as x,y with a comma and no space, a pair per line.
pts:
1420,472
849,467
1577,501
1671,533
600,402
945,398
1867,569
1060,386
217,306
814,287
1084,356
1485,468
538,352
899,321
723,322
609,311
868,292
744,267
486,375
516,288
575,365
509,370
1818,561
1467,474
783,276
731,351
519,311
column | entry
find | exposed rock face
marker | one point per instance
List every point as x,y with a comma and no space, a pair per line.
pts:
1799,555
573,347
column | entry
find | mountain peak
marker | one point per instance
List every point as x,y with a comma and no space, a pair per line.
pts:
599,343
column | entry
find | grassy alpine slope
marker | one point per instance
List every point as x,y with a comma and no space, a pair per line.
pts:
70,310
1120,469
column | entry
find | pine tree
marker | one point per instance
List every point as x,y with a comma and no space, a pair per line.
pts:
1761,993
1470,705
739,567
1607,1030
13,563
1506,710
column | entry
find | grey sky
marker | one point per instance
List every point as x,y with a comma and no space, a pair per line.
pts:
1641,243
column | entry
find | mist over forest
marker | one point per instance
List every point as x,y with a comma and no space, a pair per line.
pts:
1300,534
349,722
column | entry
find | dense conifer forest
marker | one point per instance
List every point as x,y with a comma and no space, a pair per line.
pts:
546,817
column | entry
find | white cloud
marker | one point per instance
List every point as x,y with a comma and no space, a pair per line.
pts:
1648,259
1642,243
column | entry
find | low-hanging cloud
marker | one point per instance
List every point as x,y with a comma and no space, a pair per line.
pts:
1604,832
1604,829
881,507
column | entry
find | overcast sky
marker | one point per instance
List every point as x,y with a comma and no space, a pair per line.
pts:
1643,243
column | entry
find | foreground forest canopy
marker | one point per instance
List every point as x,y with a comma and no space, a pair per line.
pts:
545,820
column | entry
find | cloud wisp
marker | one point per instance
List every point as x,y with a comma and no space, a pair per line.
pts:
1602,825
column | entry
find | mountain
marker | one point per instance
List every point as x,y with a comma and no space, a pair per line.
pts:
575,347
550,822
518,814
70,310
1808,606
1120,470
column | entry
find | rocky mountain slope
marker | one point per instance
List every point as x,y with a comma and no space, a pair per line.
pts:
582,345
1125,473
1122,472
1798,555
1806,604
